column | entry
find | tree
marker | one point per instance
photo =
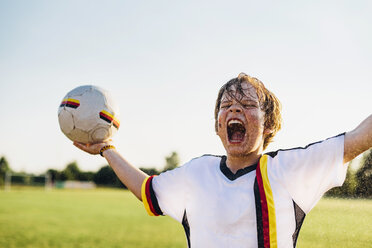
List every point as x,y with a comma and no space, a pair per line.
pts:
86,176
54,175
364,176
348,187
150,171
172,161
4,167
72,171
106,176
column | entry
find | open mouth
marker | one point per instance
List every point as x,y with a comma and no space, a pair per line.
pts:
235,131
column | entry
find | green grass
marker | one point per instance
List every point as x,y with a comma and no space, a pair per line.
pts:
114,218
338,223
77,218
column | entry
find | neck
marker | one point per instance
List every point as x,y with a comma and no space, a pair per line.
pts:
235,163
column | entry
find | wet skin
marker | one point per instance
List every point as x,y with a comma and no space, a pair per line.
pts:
245,147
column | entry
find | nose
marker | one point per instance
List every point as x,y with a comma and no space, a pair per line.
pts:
235,108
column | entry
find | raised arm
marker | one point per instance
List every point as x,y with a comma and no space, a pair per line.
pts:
358,140
131,176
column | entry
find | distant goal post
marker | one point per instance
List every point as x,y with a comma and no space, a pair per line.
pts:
19,179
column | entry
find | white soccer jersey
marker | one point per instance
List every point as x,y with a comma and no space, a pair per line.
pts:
259,206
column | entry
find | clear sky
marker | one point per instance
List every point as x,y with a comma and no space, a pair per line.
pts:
164,62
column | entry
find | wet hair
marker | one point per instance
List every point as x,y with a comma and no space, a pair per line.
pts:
269,103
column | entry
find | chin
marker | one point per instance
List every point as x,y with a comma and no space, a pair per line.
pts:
237,151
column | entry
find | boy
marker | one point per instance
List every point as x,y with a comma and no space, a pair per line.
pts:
246,198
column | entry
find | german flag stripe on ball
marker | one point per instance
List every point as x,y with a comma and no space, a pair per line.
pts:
104,115
71,103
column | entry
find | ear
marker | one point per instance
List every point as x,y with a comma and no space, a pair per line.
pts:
268,131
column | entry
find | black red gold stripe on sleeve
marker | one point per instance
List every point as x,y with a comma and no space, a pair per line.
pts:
265,208
149,198
71,103
106,116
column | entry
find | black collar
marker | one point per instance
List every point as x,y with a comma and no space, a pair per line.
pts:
228,173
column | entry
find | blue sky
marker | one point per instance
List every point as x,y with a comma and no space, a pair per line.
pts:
164,62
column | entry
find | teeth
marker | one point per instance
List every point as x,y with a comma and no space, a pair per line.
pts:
235,122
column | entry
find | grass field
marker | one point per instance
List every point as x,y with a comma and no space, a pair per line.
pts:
114,218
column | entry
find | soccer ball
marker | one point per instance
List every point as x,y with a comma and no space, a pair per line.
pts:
88,114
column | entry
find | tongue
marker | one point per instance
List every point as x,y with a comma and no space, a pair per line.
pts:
237,137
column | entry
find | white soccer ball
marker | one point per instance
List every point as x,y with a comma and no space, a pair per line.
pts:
88,114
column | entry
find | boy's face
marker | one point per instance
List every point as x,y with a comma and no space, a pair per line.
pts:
241,121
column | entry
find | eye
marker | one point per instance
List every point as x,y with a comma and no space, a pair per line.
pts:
225,105
249,106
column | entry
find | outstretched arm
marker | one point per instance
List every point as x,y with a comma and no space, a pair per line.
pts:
358,140
131,176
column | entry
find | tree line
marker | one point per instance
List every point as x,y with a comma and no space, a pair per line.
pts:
105,176
357,183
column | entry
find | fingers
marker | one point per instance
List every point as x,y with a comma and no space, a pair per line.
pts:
85,147
76,144
79,145
92,148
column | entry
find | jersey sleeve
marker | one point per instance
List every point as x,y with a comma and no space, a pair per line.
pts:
307,173
165,194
